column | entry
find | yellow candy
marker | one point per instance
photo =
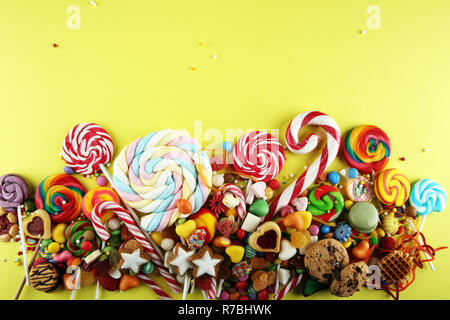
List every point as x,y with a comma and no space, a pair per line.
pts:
300,238
347,244
157,237
236,253
222,242
231,212
186,229
348,204
58,233
277,261
381,233
290,230
307,218
53,247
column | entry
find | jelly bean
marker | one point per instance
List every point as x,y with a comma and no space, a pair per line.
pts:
62,257
348,204
263,295
157,237
68,170
184,206
53,247
361,250
241,234
102,181
222,242
116,232
274,184
58,233
241,286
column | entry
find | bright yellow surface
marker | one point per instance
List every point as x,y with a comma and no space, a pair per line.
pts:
128,68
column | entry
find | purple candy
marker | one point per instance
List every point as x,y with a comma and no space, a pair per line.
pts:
244,278
313,230
224,295
13,191
68,170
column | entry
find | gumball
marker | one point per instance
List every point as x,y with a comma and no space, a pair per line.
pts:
324,229
352,173
334,177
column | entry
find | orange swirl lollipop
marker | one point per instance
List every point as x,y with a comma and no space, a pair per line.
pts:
98,195
392,187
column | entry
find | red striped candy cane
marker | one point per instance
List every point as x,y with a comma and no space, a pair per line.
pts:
237,192
319,165
212,291
289,287
125,216
154,286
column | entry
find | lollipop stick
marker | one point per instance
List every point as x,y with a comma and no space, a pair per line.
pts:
277,282
422,222
22,244
219,287
185,286
420,241
77,280
36,251
133,214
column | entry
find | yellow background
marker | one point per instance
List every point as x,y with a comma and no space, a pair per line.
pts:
128,68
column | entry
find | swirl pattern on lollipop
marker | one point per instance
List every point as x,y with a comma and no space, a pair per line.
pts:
428,196
79,232
259,155
61,196
152,173
86,146
98,195
325,202
367,148
13,191
392,187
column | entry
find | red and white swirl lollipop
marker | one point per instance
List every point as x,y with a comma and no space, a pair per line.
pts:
258,155
87,147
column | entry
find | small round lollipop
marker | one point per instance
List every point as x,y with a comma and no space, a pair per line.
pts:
367,148
61,196
392,187
86,147
98,195
259,155
428,196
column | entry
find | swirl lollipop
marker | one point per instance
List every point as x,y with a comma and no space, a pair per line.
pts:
87,147
258,155
81,238
61,196
325,203
428,196
98,195
152,173
392,187
367,148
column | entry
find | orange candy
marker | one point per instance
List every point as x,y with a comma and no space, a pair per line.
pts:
361,250
300,238
184,206
222,242
128,282
69,281
294,220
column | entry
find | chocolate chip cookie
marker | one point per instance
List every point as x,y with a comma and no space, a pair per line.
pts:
350,280
324,259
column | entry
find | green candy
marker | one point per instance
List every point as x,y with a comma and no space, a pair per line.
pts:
30,205
116,232
181,221
299,271
226,284
132,273
108,249
373,240
103,257
249,252
312,286
286,235
272,266
251,289
114,258
332,198
259,208
148,267
46,242
115,241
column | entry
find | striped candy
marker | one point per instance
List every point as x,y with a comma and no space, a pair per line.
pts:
212,291
319,165
86,146
428,196
237,192
392,187
289,287
258,155
97,195
152,173
138,235
154,286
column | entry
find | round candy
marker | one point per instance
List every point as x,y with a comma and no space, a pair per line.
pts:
97,195
86,147
367,148
324,229
76,234
13,191
363,217
352,173
154,172
325,202
428,196
227,146
61,196
392,187
334,177
359,189
102,181
259,155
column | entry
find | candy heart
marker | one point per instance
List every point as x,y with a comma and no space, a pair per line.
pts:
259,208
236,253
259,189
287,251
38,225
128,282
184,230
266,238
300,204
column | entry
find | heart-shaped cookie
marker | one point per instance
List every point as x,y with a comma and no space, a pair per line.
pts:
38,225
266,238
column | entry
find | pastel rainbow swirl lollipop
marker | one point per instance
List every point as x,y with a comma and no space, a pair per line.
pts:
259,155
152,173
367,148
325,202
392,187
428,196
61,196
86,147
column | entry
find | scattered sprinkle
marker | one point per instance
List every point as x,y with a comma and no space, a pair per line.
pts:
55,45
402,159
425,150
363,31
94,3
215,56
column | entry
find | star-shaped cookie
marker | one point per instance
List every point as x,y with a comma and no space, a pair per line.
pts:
180,259
205,262
133,256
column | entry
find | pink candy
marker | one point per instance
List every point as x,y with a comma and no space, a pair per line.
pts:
286,210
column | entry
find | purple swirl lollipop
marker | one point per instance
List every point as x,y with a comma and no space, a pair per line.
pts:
13,191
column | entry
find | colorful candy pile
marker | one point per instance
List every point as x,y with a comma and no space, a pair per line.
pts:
227,229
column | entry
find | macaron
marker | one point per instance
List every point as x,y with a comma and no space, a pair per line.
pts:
363,217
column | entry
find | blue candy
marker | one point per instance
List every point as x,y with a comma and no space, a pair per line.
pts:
334,177
227,146
324,229
352,173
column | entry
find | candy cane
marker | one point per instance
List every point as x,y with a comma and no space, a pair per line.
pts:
137,233
152,284
212,292
319,165
289,287
237,192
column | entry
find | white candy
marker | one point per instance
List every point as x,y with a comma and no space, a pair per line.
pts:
287,251
167,244
283,276
259,189
93,256
114,273
113,224
251,222
218,180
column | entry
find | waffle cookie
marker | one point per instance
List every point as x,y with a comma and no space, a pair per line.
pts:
396,266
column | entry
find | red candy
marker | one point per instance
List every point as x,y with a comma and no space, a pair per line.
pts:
241,234
203,282
244,298
263,295
274,184
270,256
242,286
388,243
109,283
224,227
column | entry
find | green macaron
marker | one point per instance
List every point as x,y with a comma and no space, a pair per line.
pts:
363,217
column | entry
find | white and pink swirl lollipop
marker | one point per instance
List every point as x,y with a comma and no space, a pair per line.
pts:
87,147
258,155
